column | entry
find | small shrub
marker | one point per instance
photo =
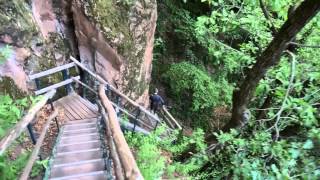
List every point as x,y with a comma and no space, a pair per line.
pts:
150,149
5,53
195,93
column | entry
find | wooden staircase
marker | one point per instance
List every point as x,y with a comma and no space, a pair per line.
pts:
80,152
90,144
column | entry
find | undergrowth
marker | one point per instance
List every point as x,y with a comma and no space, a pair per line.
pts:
10,169
158,154
5,53
11,164
12,110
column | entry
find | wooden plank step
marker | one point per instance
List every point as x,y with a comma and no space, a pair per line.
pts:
84,146
80,131
76,156
89,120
77,139
97,175
80,126
78,168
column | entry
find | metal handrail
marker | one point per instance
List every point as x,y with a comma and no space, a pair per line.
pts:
114,105
115,90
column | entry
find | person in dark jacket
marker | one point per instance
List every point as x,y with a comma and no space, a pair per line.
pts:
156,101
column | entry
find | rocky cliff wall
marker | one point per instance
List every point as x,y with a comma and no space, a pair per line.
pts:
114,38
31,32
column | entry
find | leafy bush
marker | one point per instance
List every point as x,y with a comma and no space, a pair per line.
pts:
5,53
155,155
10,111
282,137
195,92
258,156
10,169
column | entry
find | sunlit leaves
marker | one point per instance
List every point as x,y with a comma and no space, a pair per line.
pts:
262,158
10,112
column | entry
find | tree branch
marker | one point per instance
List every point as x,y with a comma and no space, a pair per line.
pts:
269,58
267,16
306,46
282,108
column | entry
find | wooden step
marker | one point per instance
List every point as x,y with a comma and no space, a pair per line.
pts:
79,138
74,156
80,131
82,146
97,175
80,126
77,168
91,120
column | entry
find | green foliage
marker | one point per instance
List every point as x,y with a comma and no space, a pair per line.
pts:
5,53
10,111
258,156
153,153
38,167
187,79
225,38
195,92
10,169
257,149
125,118
127,2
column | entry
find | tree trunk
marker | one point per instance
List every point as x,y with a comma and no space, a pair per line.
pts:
270,57
266,104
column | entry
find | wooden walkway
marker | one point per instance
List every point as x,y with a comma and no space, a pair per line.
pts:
76,107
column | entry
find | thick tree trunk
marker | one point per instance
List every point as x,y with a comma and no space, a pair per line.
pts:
270,57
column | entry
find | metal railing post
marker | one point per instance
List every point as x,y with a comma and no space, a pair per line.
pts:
65,75
31,133
135,120
108,90
55,119
118,105
155,127
37,81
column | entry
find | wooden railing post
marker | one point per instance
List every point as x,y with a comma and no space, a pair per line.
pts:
116,161
127,160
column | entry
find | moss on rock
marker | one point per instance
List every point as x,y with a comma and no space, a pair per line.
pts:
7,86
16,19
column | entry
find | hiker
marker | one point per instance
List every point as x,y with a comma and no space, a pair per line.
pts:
156,101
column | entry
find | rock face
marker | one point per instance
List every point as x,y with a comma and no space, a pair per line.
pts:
30,33
116,40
